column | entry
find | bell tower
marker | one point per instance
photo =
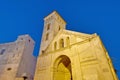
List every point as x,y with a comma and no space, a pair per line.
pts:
53,23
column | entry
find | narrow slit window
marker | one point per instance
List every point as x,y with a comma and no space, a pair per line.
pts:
68,41
55,45
8,69
47,35
2,52
59,28
48,26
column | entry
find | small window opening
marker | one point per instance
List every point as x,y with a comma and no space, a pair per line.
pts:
47,36
48,26
21,38
29,40
55,45
2,52
59,28
8,69
68,41
61,43
25,77
43,51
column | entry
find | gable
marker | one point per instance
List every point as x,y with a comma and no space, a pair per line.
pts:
66,38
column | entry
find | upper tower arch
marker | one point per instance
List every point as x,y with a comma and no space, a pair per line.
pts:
55,20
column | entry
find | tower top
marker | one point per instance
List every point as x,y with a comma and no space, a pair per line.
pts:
55,15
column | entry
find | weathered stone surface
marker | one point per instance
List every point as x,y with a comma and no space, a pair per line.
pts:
16,58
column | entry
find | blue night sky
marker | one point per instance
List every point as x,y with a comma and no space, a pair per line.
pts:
18,17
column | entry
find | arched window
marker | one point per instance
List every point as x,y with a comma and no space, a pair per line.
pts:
68,41
55,45
61,43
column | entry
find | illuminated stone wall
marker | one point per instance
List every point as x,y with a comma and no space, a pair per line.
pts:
69,55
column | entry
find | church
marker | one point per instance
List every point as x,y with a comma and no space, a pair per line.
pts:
70,55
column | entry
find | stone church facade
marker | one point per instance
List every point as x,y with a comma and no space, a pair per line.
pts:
69,55
16,59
